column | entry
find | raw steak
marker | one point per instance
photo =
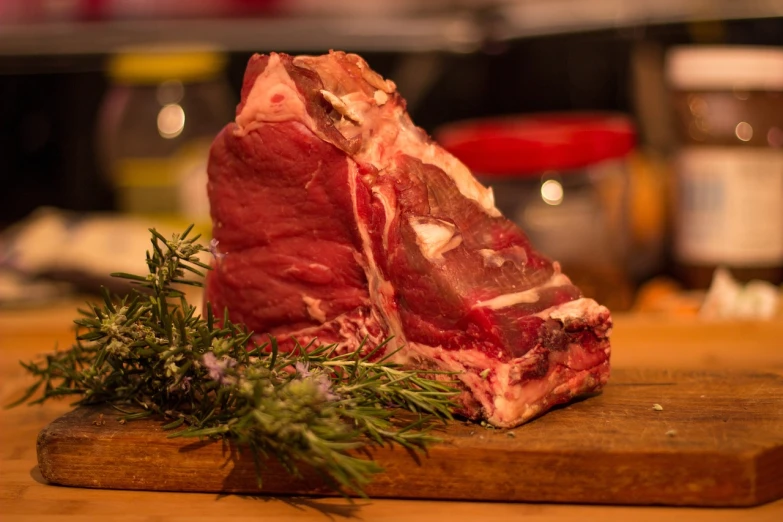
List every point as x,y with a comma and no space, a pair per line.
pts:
338,219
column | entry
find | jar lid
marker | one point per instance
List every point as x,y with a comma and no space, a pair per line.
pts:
529,145
150,65
725,67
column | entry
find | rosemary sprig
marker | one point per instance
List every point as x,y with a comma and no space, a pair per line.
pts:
149,353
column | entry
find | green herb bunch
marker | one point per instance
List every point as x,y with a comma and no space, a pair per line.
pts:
149,353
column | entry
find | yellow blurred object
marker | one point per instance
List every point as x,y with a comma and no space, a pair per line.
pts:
164,107
648,196
153,65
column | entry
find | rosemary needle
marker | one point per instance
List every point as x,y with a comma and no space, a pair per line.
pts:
149,353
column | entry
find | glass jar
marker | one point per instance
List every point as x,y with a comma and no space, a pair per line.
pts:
163,109
728,208
563,179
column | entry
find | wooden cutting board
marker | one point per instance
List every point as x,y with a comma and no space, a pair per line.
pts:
718,441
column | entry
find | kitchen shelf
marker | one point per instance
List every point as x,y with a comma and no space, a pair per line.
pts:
452,26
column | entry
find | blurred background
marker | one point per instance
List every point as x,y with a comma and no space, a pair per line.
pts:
638,142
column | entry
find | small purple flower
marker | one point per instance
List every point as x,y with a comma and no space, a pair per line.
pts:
217,368
213,249
302,369
324,384
322,381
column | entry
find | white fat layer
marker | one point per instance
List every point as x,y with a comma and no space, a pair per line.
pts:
381,291
505,403
380,97
273,98
516,255
491,258
340,106
527,296
578,309
516,405
388,210
435,237
314,309
506,300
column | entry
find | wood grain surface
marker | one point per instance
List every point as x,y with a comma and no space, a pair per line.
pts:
718,441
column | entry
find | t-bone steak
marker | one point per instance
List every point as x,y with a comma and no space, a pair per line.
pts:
337,219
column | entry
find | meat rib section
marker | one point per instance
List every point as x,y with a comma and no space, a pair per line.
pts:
339,220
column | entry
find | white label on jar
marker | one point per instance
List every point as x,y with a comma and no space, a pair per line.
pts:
730,206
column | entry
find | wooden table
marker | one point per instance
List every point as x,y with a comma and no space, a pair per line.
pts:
637,342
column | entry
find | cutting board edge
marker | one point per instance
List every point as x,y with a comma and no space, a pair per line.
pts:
379,494
50,440
768,485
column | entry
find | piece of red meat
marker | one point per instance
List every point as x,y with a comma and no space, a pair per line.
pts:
338,219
